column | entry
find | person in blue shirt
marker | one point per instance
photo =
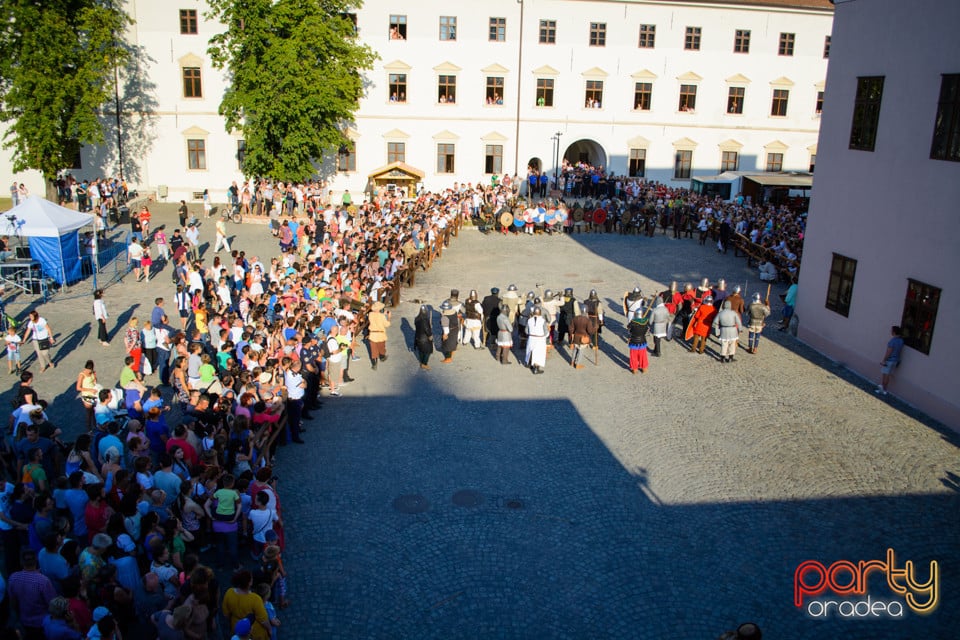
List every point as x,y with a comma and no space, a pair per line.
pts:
890,359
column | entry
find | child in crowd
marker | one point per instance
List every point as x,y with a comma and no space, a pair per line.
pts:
13,349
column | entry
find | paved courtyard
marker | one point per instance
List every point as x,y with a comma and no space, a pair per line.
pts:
477,500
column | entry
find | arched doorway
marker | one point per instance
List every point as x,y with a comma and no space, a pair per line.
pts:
533,164
586,151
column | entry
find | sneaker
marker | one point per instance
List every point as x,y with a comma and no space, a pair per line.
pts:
335,394
880,391
354,358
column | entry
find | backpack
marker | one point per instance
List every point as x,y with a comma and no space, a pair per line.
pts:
325,349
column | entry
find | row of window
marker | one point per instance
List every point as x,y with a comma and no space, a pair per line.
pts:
597,35
919,307
593,94
493,160
946,127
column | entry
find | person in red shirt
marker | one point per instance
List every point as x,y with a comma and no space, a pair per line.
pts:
701,323
179,439
97,512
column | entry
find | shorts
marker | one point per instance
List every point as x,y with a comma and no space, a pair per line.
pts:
888,366
135,263
13,356
184,313
333,369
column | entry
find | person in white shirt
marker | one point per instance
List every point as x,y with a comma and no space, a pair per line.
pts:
101,316
193,241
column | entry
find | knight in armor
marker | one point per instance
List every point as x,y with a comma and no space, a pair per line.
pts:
638,342
702,322
569,310
450,324
727,327
551,311
524,316
659,324
511,300
504,335
491,309
457,308
536,340
688,305
583,331
757,314
703,291
633,302
473,320
423,336
594,311
720,293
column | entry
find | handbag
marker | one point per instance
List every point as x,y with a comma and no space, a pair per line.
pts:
147,368
43,344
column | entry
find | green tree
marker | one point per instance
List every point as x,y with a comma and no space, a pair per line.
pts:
294,70
57,61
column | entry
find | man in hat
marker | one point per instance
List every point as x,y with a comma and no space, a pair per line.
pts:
727,327
537,329
569,309
757,314
473,320
491,309
702,322
378,321
450,327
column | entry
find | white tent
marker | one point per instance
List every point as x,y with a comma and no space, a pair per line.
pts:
39,218
54,230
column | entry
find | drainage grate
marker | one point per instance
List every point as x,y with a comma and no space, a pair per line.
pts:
411,503
467,498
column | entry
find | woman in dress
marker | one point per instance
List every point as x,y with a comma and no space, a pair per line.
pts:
207,204
100,313
88,389
39,330
133,342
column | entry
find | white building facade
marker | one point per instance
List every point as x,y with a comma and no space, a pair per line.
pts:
665,89
881,248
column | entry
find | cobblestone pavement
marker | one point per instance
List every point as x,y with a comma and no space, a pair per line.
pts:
477,500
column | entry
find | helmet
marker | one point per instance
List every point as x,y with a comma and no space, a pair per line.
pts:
454,293
736,288
756,297
721,284
512,287
568,291
531,295
708,300
473,293
537,301
494,290
705,283
548,294
688,287
593,294
636,289
445,305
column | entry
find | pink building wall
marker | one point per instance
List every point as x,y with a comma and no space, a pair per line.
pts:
894,210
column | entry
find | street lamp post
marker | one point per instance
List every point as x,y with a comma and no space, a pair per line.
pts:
556,158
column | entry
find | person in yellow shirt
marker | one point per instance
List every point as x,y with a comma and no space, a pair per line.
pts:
239,602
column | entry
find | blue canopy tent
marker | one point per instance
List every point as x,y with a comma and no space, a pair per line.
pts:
54,236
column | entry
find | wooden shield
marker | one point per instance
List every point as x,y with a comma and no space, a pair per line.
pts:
578,215
627,217
506,219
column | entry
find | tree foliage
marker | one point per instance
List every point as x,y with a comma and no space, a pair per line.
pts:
57,60
294,80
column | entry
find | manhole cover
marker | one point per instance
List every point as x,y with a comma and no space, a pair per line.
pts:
467,498
514,504
411,503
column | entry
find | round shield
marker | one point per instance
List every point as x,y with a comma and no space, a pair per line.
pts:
518,222
562,215
518,211
599,216
551,216
578,215
529,215
627,217
506,219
